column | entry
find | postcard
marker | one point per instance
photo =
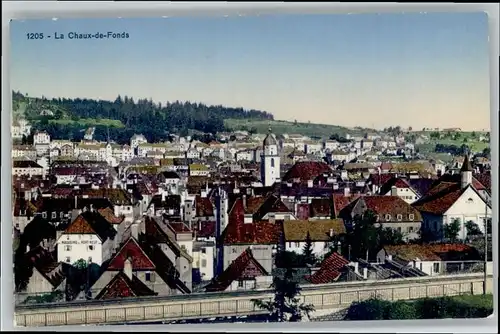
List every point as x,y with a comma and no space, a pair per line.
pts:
272,168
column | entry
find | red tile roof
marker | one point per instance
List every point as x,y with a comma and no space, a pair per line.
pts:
456,178
80,226
306,170
132,250
121,286
390,205
244,267
341,201
484,179
110,217
179,227
204,207
205,229
330,269
239,232
432,252
379,179
439,199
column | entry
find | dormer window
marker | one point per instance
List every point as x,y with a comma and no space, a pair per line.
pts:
400,217
54,215
44,214
411,216
470,200
387,217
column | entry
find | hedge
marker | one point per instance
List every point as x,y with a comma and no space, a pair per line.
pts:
428,308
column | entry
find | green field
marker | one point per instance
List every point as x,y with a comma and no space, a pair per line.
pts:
85,122
281,127
469,138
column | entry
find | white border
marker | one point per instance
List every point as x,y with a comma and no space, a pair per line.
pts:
93,9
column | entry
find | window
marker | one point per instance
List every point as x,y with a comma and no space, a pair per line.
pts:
148,277
240,284
90,259
91,247
387,217
44,215
54,215
410,229
399,229
61,215
400,217
68,259
272,162
67,237
203,251
297,244
67,248
436,267
411,216
203,263
234,250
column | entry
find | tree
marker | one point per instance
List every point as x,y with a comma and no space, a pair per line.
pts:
389,236
307,251
472,229
451,230
286,305
364,236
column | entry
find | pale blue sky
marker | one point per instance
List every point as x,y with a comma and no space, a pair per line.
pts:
377,70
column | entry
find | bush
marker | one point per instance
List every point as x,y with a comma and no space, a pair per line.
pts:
371,309
429,308
400,310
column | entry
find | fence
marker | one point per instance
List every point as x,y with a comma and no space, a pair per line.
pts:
328,296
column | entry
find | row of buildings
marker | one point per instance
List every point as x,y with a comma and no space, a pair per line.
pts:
162,226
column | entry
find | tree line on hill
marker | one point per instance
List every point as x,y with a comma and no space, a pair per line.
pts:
155,120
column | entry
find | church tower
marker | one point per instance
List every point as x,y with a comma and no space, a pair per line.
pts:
270,161
466,172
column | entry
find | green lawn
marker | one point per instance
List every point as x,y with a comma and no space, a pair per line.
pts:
280,127
90,122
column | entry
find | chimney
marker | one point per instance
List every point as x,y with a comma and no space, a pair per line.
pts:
356,267
244,199
127,268
163,195
346,191
365,273
76,202
309,183
394,191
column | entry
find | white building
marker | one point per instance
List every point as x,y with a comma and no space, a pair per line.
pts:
81,241
41,138
320,233
457,202
312,147
270,161
203,259
26,168
20,128
432,259
136,140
